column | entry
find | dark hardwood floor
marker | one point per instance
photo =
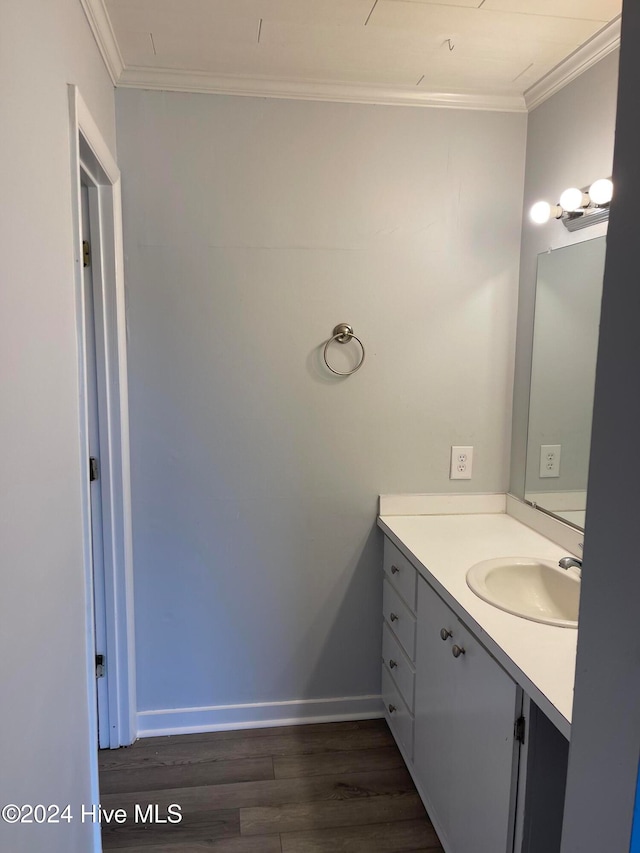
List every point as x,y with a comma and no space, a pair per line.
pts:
329,788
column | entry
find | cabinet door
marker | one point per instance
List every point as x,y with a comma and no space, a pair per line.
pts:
484,752
465,755
435,698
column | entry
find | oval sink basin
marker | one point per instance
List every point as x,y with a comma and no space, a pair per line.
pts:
533,589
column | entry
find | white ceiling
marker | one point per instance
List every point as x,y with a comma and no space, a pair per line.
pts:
478,48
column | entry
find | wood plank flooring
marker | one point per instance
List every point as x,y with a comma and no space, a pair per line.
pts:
328,788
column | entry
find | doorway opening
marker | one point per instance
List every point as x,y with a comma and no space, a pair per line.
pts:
104,435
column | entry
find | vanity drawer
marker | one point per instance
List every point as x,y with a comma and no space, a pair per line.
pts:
398,715
399,618
400,573
398,665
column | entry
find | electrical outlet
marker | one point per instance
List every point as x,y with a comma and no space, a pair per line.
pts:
550,460
461,463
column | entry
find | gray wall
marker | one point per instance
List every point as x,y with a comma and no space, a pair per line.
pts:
569,143
605,736
44,694
252,227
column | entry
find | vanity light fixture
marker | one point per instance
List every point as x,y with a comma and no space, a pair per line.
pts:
577,208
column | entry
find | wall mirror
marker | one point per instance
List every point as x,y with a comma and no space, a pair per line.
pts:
565,344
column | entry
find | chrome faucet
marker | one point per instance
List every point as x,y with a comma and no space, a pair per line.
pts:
568,562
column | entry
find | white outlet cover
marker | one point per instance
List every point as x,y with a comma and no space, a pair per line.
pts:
461,463
550,460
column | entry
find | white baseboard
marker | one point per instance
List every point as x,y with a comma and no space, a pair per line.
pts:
176,721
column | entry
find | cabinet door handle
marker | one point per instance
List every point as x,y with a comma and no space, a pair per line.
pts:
394,570
392,709
393,617
445,634
392,664
456,651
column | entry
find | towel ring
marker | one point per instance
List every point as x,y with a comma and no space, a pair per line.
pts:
343,333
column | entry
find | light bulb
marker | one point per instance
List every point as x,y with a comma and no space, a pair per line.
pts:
573,199
601,191
542,211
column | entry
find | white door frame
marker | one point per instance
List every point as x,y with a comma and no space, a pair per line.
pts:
97,426
90,153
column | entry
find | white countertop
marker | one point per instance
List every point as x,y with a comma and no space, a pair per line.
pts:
541,658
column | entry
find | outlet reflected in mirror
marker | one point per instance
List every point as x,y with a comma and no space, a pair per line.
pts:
565,345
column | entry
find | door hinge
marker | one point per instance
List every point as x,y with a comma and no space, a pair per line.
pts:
519,729
86,253
94,470
99,666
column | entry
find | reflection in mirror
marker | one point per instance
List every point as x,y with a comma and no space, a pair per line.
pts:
565,344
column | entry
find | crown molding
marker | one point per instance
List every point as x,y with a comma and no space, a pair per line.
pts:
600,45
100,24
170,80
174,80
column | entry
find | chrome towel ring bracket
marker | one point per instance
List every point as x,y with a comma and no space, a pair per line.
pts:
342,334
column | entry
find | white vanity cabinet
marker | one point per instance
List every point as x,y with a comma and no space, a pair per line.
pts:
453,710
465,751
485,731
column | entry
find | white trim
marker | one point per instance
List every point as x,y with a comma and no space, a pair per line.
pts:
76,202
103,33
600,45
216,718
86,125
441,504
94,279
86,140
170,80
176,80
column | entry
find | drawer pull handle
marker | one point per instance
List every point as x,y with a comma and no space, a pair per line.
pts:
393,617
456,651
392,664
445,634
392,709
394,570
